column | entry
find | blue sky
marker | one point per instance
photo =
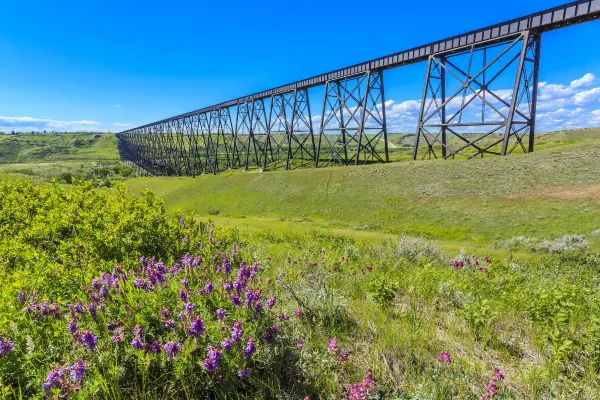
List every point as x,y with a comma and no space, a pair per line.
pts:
72,65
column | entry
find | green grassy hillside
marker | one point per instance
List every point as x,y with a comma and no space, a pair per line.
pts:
544,195
53,148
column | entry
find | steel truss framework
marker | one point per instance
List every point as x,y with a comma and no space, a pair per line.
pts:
465,112
475,118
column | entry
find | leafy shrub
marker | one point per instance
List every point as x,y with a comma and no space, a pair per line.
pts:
383,291
566,243
412,248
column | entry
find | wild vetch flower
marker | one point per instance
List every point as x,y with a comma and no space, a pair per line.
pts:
21,297
189,307
282,316
185,283
257,306
72,326
270,302
165,313
491,389
155,347
220,314
227,266
235,299
270,333
244,373
298,313
87,338
210,365
237,331
183,295
6,346
498,375
171,349
362,390
137,343
141,284
138,330
227,286
196,327
343,356
54,379
209,287
77,308
333,345
77,371
92,310
111,326
444,357
96,284
117,337
226,343
250,348
299,346
170,324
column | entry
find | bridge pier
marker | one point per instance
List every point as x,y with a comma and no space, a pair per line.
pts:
481,115
353,121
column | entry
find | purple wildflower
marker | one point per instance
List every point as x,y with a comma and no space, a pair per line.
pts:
92,310
183,295
155,347
189,307
227,266
209,287
170,324
235,299
250,348
237,331
270,333
211,363
165,313
72,326
298,313
243,374
87,338
137,343
54,379
220,314
6,346
333,345
77,371
444,357
362,390
196,327
343,356
171,349
21,297
270,302
226,343
141,284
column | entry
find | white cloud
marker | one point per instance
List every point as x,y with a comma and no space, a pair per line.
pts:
27,124
586,80
122,124
117,106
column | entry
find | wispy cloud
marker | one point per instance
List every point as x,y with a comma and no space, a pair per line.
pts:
26,124
122,124
117,106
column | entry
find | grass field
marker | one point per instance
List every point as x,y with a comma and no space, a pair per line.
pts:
485,202
49,156
344,283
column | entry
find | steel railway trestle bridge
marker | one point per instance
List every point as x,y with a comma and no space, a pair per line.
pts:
479,97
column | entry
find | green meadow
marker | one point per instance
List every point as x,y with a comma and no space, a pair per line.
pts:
443,279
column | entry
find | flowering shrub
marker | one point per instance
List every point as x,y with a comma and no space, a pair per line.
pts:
225,328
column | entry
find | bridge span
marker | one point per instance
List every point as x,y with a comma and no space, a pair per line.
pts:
479,97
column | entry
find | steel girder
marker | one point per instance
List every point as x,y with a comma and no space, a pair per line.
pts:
466,110
353,121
